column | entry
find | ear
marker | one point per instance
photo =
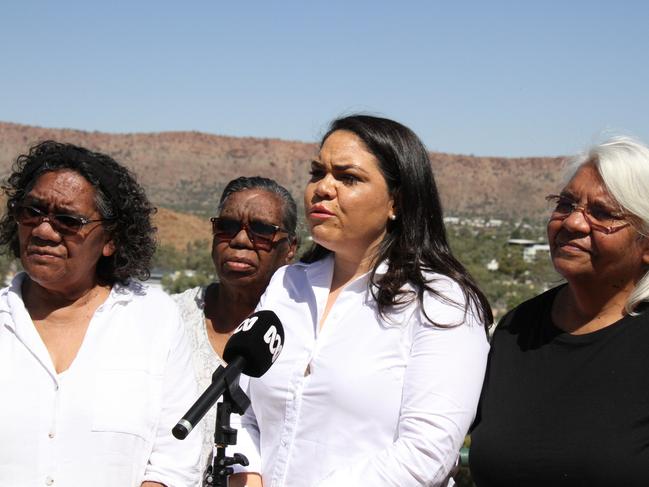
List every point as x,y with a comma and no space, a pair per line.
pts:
394,198
292,250
645,257
109,249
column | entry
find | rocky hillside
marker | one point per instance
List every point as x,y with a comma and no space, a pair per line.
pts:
186,171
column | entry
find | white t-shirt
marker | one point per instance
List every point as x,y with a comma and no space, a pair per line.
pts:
106,421
365,400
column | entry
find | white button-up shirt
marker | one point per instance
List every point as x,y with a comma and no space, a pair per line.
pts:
106,421
364,400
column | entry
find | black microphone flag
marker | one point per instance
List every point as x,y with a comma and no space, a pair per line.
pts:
252,349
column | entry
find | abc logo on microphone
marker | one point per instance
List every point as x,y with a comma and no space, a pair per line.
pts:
272,337
259,339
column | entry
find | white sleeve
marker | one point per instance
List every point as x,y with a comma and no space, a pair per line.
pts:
441,389
173,462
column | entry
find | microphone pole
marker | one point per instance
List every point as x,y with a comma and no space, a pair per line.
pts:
234,401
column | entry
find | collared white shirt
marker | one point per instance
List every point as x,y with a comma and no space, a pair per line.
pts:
106,421
364,401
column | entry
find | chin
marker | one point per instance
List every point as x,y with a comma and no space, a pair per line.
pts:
328,243
573,272
40,273
44,280
237,278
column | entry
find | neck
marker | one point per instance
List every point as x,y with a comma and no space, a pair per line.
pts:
348,269
586,307
42,302
34,292
226,307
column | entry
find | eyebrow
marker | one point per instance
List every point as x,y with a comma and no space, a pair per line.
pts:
35,200
345,167
256,219
607,202
341,166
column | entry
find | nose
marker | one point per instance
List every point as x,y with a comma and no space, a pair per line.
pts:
45,231
577,221
325,187
242,239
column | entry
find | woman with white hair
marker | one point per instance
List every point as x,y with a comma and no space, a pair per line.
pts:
566,396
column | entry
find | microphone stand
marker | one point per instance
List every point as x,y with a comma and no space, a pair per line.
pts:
234,401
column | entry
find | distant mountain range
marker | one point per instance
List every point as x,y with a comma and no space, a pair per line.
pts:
186,171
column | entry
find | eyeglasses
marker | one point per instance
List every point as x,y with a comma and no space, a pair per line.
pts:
261,234
598,218
63,223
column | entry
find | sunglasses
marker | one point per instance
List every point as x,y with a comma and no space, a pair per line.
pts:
262,235
65,224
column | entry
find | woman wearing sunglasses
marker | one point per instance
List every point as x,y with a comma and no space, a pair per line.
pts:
254,235
385,346
94,367
566,398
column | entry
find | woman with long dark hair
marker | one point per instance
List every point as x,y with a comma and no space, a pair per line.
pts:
385,345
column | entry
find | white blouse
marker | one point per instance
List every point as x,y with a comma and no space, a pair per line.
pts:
106,421
364,400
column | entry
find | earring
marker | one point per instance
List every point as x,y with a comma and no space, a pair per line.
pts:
392,217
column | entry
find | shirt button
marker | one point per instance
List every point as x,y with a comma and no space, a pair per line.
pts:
49,481
50,435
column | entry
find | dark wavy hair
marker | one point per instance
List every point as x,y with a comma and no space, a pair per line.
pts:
416,241
119,199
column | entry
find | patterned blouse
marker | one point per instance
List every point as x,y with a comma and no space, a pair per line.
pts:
205,360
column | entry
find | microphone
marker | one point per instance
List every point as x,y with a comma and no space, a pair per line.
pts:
252,349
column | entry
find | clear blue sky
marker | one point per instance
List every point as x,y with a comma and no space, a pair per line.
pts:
516,78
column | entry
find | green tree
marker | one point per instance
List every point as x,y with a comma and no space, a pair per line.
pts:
177,283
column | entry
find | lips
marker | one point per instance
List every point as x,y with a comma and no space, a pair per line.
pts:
39,252
571,246
320,211
239,264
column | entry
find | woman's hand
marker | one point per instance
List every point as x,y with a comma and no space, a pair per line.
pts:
245,480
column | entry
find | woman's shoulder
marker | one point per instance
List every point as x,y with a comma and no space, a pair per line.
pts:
535,309
445,302
136,295
190,298
143,310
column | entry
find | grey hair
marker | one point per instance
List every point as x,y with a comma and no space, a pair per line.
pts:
103,204
623,164
289,210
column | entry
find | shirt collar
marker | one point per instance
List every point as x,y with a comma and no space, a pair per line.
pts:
119,294
320,273
11,302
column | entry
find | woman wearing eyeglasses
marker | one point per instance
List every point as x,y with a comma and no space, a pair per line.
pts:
254,235
385,345
94,367
566,397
